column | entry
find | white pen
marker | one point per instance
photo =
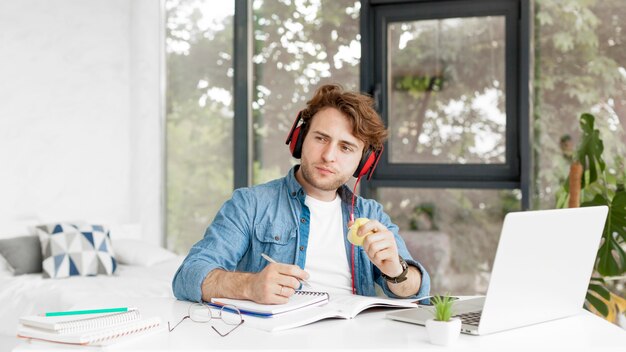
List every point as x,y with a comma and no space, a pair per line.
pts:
269,259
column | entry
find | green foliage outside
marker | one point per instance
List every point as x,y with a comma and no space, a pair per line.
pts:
443,75
199,128
579,66
298,46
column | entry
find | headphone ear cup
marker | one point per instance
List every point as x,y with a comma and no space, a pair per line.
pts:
367,160
376,155
295,146
294,138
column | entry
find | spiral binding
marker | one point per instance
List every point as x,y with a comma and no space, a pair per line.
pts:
311,293
120,331
98,322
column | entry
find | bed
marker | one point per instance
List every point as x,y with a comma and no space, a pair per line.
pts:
142,271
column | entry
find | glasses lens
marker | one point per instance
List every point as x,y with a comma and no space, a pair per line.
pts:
230,315
200,313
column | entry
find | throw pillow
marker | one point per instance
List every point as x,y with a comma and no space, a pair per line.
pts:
141,253
76,250
22,253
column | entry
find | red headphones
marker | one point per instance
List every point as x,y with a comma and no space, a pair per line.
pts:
368,162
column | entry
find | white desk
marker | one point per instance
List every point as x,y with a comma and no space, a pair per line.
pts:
370,330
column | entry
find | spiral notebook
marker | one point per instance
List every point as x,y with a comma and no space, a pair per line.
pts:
77,323
301,299
96,329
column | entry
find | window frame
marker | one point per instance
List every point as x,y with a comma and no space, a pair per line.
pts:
515,172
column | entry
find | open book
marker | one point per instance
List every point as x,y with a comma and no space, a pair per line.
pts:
338,306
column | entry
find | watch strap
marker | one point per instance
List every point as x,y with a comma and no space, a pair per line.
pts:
400,278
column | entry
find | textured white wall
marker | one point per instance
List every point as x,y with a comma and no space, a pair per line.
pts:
80,112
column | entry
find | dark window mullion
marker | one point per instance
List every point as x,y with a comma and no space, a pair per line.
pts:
242,83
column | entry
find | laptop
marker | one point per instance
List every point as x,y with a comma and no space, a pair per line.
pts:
541,272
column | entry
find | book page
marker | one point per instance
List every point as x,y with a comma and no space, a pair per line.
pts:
294,319
352,305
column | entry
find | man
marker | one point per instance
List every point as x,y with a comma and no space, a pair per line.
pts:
302,220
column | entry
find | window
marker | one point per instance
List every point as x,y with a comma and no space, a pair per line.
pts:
446,91
448,75
449,79
453,232
199,116
298,46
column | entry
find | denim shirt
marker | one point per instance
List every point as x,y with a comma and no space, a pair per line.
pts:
272,218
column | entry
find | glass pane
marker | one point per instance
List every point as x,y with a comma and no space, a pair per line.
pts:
446,91
199,46
453,232
298,46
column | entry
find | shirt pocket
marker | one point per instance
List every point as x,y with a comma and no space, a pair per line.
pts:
276,241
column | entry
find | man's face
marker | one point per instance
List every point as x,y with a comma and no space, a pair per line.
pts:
330,153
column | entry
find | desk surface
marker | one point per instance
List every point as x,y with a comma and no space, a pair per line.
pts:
369,330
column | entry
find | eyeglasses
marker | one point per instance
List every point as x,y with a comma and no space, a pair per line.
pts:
203,313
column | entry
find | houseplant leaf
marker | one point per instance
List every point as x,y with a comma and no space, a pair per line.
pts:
603,302
596,303
590,150
611,256
598,285
618,212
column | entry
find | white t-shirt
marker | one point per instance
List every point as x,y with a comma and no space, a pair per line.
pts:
326,259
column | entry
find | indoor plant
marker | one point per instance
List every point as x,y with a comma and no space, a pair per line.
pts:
591,183
443,328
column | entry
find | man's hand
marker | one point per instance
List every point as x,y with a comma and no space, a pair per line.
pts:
272,285
382,250
380,247
275,283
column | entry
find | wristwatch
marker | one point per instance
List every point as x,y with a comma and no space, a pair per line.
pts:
400,278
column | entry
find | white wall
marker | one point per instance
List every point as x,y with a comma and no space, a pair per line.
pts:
80,124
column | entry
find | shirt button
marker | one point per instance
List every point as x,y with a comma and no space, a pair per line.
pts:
303,220
301,248
276,238
293,194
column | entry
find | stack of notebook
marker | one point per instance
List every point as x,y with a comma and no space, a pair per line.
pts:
86,329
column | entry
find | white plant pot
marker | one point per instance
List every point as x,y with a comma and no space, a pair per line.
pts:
443,333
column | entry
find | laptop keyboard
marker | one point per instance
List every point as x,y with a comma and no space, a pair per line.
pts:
471,318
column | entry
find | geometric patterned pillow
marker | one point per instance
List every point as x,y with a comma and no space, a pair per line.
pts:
76,250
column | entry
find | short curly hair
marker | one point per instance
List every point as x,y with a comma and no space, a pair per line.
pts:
367,125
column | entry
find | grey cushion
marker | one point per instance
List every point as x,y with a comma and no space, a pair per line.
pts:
22,253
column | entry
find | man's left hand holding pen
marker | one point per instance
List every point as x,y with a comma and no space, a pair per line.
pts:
272,285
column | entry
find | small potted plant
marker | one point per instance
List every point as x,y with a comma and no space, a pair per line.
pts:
443,329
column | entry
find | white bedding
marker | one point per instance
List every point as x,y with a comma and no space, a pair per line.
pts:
32,294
